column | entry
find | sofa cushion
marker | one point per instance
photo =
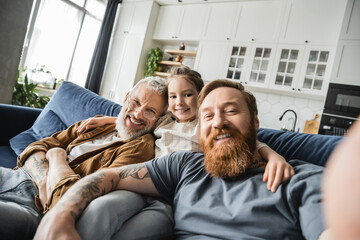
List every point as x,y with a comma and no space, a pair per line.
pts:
312,148
7,157
43,127
71,103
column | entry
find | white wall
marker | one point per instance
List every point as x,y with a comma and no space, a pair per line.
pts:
272,106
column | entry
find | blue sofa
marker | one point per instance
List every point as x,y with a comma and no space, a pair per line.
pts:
72,103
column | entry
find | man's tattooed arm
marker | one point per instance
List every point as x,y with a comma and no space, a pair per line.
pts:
37,166
132,177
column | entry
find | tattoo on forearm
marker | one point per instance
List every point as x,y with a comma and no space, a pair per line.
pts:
89,190
91,187
133,171
37,167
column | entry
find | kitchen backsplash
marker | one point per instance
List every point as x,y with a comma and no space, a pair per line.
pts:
272,106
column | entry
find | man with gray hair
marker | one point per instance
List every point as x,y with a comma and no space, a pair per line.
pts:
49,167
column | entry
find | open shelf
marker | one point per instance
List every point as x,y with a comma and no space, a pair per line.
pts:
170,63
181,52
162,74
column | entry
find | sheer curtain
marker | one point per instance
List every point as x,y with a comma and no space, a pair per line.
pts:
64,37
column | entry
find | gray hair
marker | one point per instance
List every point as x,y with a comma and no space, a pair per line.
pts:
158,85
154,83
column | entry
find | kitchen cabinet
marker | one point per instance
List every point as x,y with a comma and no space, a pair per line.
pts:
122,66
210,60
347,60
125,50
302,69
245,21
220,21
313,22
350,29
259,21
180,22
250,63
132,18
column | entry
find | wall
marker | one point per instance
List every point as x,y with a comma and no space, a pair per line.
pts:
272,106
14,16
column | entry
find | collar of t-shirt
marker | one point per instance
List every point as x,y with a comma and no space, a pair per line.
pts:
100,142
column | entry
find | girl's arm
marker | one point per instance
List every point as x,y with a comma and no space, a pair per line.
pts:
277,170
94,122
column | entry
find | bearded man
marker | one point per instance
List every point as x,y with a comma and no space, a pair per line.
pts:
49,167
216,195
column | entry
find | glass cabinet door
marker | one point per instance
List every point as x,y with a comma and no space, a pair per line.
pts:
236,66
287,67
261,59
316,70
260,65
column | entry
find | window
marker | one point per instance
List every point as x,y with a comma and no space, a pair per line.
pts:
63,38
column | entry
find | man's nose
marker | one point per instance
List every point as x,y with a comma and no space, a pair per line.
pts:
219,121
138,113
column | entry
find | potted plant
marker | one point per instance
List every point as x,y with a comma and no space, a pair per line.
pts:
25,93
154,56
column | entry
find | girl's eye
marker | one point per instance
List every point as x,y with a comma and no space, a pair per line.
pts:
188,95
172,96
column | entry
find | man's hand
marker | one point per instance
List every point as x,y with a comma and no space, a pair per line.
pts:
277,171
94,122
57,224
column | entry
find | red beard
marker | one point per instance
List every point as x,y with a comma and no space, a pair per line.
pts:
231,158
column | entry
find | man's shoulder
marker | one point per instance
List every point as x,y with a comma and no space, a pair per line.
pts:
146,138
183,159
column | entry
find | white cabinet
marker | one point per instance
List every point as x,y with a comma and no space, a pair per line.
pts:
347,63
125,49
250,63
259,21
220,21
303,69
167,22
287,67
132,18
121,66
312,21
180,22
210,60
245,21
347,60
125,76
351,29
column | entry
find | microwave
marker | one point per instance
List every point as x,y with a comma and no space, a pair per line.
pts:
341,110
343,100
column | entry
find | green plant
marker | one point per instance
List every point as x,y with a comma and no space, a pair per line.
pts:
25,93
154,56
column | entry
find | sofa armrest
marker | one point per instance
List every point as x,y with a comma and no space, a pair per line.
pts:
15,119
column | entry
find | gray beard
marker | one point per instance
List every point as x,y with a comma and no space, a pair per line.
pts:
126,133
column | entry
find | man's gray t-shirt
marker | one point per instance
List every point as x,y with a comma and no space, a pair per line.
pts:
241,207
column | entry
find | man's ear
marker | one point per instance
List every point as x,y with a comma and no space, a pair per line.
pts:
126,96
